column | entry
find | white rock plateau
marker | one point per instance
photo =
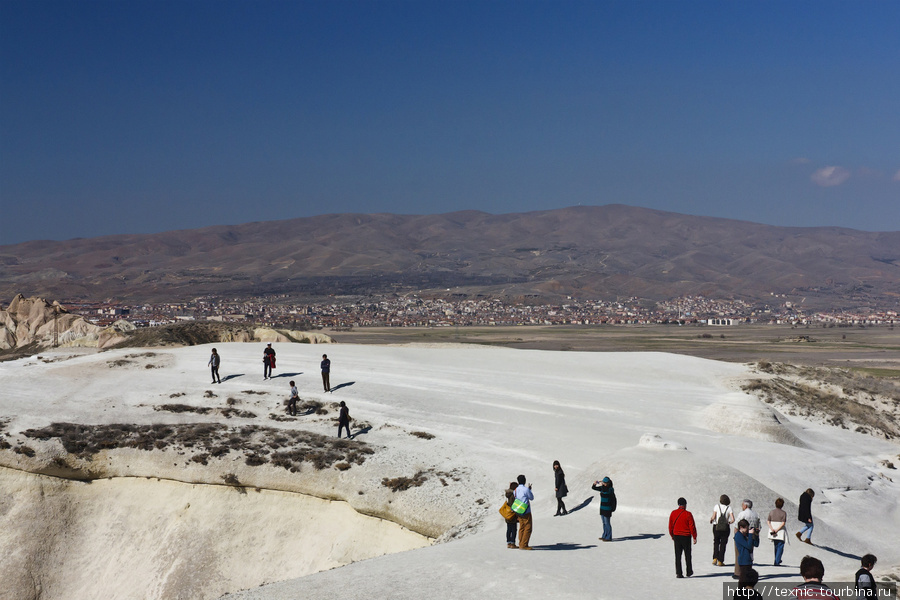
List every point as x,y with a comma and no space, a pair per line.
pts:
157,524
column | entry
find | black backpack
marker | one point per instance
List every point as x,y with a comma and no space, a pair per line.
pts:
721,522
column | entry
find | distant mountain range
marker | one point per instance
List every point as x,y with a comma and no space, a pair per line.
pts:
598,252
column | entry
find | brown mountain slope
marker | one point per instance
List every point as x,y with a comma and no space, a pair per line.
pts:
600,251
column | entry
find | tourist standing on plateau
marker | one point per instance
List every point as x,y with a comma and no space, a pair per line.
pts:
268,361
292,403
344,419
213,364
562,490
326,372
524,496
607,506
681,530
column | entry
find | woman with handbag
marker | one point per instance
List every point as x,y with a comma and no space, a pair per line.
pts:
777,521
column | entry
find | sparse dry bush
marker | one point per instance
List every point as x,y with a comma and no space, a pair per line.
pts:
399,484
26,450
182,408
288,449
423,435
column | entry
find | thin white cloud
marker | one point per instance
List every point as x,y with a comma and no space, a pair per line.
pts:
801,160
830,176
897,175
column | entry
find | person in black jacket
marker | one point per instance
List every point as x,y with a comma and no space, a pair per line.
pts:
804,515
325,365
268,361
561,490
865,583
344,419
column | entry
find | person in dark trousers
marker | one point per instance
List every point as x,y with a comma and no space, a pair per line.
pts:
745,539
681,530
513,522
326,372
865,582
292,401
804,515
344,419
607,506
561,489
268,361
721,520
213,364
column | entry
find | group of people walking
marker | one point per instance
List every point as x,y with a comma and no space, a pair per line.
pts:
745,530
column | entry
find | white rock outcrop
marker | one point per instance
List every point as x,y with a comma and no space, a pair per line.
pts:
34,320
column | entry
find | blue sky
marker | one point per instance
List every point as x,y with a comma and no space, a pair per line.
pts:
136,117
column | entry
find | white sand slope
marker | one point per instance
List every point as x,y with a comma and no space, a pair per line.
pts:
660,425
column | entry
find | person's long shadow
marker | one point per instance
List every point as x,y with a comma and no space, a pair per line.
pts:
362,431
285,375
839,553
230,377
584,503
792,573
642,536
564,546
342,385
724,574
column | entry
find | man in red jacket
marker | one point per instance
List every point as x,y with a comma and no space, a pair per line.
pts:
681,530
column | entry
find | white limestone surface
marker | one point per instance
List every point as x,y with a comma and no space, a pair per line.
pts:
662,426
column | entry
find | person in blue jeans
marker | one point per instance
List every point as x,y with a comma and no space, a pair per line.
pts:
607,506
513,523
804,515
745,539
777,521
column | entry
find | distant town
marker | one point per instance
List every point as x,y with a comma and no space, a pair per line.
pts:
286,312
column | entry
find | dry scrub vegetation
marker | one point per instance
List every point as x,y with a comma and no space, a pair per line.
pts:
288,449
838,396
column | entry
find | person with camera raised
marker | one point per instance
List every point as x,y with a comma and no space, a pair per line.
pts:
745,539
526,497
